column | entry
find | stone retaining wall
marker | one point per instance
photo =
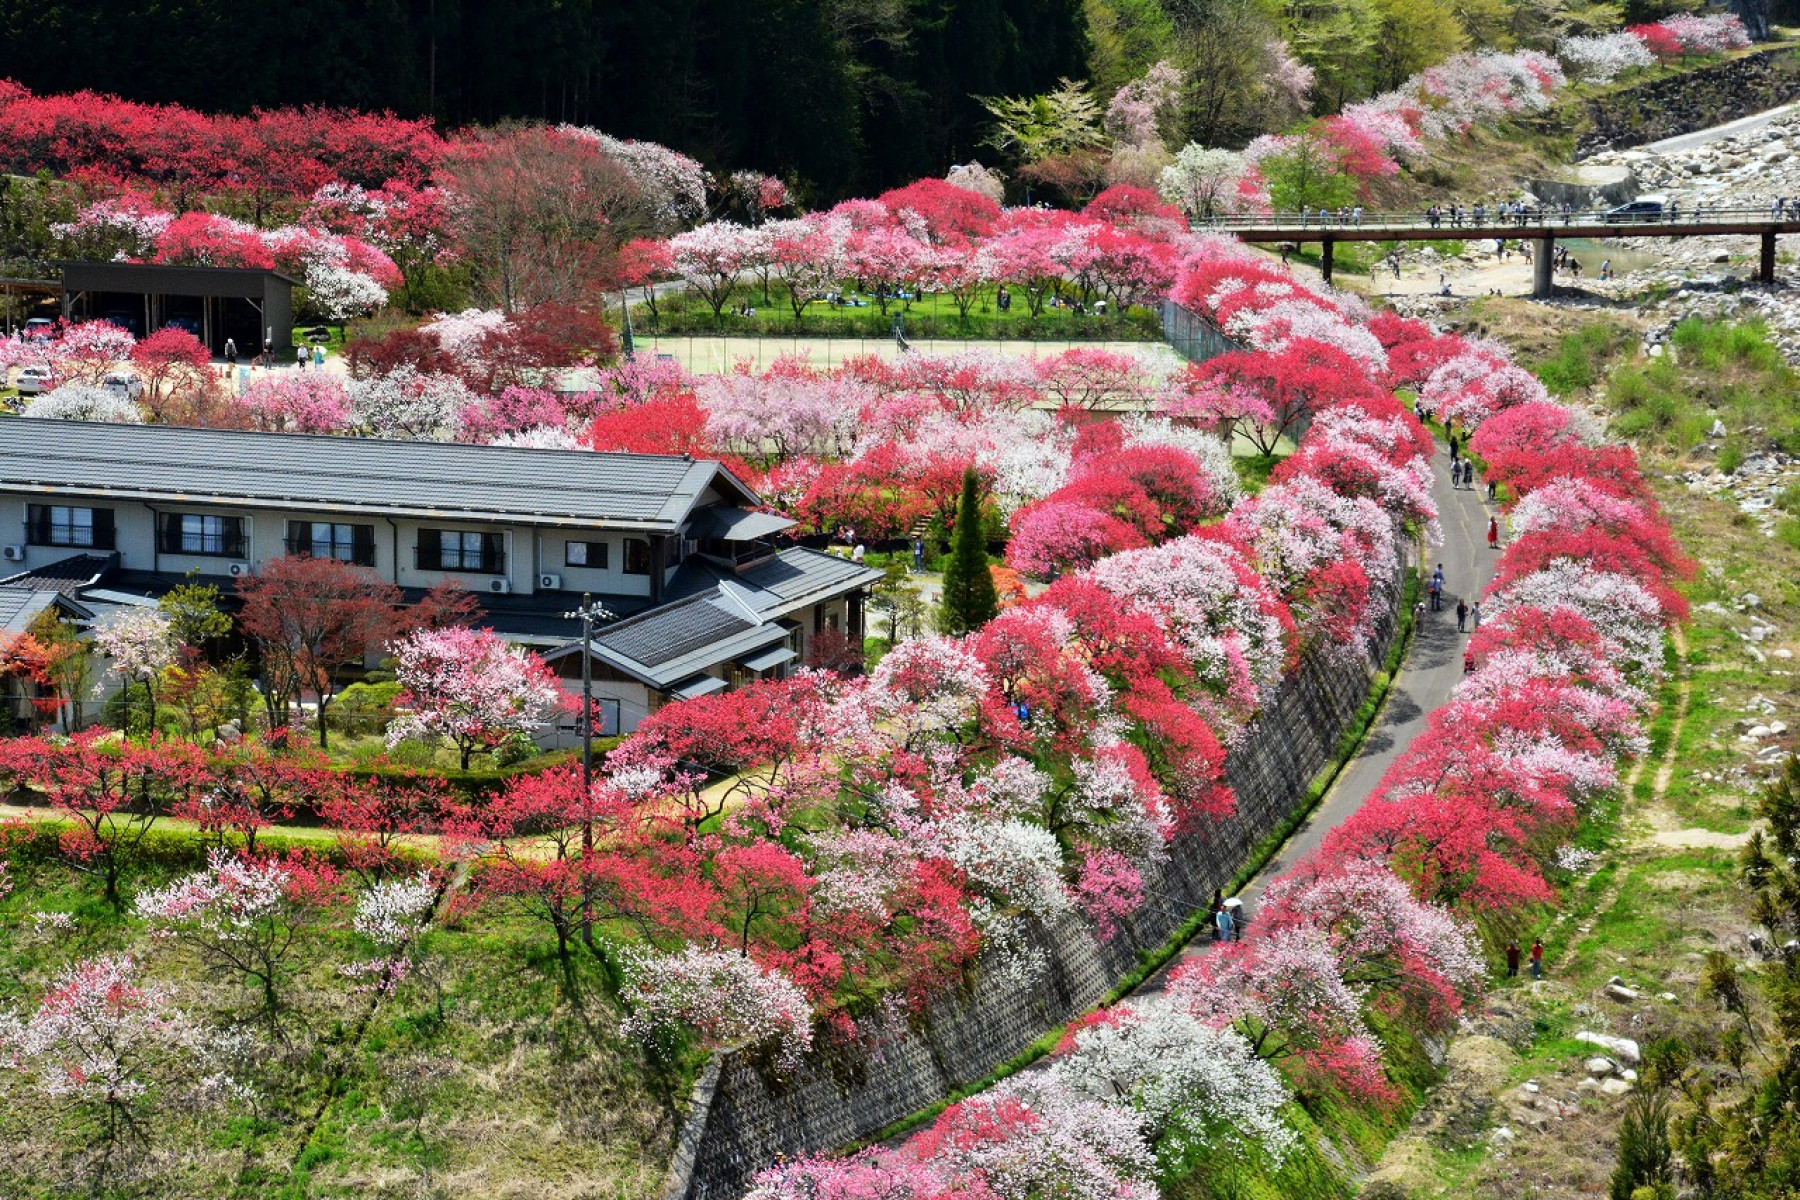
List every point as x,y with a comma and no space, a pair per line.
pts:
834,1099
1692,100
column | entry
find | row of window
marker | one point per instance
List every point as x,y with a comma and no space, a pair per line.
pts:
223,537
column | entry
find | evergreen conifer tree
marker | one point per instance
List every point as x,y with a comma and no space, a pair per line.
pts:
969,598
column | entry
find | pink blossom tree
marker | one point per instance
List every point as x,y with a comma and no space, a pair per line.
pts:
470,688
103,1044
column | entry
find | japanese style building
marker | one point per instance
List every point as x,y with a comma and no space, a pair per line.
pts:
676,548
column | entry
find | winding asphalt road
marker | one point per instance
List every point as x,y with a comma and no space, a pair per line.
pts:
1432,667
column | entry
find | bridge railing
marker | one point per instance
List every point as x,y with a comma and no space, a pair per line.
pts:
1490,216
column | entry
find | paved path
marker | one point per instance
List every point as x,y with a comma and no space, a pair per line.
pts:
1700,137
1433,666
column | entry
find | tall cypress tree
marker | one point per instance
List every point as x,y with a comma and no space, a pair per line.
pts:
969,597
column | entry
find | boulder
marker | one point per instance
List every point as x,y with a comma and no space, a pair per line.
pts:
1614,1087
1600,1065
1621,1048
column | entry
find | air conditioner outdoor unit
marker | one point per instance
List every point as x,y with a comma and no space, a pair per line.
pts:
13,553
549,583
235,570
500,587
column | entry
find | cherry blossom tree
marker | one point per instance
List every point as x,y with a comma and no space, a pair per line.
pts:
468,687
139,645
1198,1089
103,1044
394,915
83,402
725,998
241,915
711,258
297,402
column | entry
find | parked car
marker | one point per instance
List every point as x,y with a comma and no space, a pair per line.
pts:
40,329
35,381
129,320
187,323
126,387
1645,211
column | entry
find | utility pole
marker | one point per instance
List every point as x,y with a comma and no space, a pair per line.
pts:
588,613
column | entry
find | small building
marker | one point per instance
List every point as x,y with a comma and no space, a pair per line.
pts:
675,548
248,306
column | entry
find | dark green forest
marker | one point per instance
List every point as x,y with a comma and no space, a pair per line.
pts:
850,95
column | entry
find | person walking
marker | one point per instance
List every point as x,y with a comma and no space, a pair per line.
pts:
1462,616
1512,960
1493,489
230,354
1475,617
1606,268
301,357
1455,449
1493,533
1537,958
318,358
1224,922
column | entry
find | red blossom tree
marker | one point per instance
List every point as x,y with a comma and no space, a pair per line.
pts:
309,618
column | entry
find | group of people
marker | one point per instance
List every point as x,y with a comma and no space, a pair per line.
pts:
1537,959
304,355
1350,216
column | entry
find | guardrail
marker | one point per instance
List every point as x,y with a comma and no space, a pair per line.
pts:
1491,217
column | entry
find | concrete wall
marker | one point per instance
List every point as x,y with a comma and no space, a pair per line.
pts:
836,1098
1691,100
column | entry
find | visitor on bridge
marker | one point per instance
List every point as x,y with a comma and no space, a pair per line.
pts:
1433,215
1674,210
1305,214
1356,215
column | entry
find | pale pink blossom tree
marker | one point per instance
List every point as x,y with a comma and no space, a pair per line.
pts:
470,688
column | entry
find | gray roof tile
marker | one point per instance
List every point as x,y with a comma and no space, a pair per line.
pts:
396,478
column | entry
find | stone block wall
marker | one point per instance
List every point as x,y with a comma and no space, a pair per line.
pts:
833,1100
1691,100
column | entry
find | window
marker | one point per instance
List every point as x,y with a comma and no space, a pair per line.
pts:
461,550
585,554
59,525
329,539
201,534
637,556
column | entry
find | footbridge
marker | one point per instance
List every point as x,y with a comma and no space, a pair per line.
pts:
1540,227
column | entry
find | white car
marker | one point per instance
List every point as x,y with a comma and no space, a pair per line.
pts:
35,381
126,387
39,329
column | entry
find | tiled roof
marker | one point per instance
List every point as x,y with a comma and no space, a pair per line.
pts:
395,478
66,575
20,606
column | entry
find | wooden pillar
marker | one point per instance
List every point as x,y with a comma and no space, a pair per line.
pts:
1767,272
1543,258
1325,258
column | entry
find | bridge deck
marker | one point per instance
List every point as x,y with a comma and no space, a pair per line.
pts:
1532,231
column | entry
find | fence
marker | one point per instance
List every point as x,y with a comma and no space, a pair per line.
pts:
745,1117
1193,336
